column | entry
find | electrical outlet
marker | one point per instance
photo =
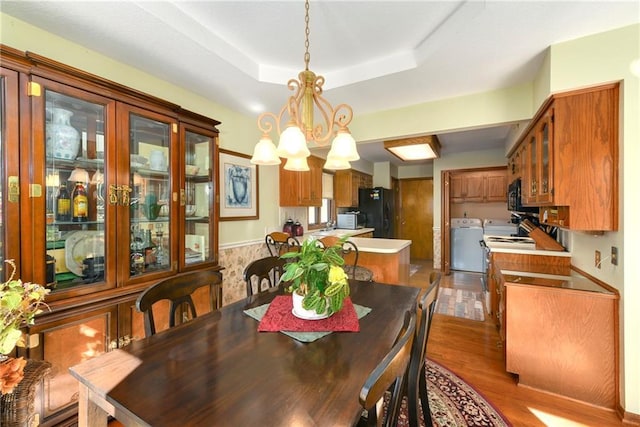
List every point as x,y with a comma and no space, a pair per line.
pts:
614,255
597,260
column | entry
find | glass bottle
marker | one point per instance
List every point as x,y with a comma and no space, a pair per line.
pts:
162,257
80,203
137,253
63,204
149,250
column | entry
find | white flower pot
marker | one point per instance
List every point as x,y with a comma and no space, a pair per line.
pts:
303,313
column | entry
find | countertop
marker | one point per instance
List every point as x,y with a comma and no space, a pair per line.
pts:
338,232
512,249
364,244
574,281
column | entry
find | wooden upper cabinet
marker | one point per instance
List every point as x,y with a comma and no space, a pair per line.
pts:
571,159
347,184
302,188
495,186
479,186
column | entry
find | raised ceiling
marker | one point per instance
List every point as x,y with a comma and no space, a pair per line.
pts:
375,55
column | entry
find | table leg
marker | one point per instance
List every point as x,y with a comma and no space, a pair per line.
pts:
90,414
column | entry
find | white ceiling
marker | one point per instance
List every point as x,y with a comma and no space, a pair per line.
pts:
374,55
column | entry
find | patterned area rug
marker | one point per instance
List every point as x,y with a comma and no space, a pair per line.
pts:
454,403
460,303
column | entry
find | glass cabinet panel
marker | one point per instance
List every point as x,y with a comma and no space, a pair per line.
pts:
150,203
75,191
544,161
198,199
533,167
9,184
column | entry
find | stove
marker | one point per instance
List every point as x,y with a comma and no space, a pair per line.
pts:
514,242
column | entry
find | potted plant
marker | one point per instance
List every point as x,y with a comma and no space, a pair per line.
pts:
316,279
19,304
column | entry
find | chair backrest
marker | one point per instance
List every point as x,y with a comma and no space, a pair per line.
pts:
389,375
264,273
279,243
178,290
349,253
416,383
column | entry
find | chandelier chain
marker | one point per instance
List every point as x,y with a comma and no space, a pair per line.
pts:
307,56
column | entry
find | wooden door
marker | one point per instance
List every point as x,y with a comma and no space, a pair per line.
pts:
416,216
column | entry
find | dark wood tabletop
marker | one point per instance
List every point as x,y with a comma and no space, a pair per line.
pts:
219,370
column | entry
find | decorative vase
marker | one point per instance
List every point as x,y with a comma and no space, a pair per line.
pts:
239,185
302,313
63,140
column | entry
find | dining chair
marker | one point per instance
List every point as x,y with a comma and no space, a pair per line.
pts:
350,255
389,376
263,273
279,243
417,397
178,291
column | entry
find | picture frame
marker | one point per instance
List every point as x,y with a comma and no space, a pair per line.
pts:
238,187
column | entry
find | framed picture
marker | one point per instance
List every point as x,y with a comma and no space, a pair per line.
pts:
238,187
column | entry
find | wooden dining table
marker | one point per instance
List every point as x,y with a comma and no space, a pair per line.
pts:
218,370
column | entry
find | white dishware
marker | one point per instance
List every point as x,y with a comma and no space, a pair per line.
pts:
157,160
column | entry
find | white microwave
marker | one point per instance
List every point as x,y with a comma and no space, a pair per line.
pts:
350,221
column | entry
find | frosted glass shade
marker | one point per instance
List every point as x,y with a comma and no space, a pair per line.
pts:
297,164
335,163
344,147
293,144
265,153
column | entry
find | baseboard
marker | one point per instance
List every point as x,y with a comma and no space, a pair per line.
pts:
628,418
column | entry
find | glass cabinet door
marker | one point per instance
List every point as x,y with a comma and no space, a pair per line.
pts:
198,196
544,190
151,205
9,168
533,167
75,178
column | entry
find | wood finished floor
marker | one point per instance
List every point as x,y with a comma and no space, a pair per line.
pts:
471,349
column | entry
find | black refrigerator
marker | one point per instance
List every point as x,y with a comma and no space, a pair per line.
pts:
378,206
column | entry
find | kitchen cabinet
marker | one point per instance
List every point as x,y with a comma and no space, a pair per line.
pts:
570,156
302,188
538,162
479,186
107,190
561,336
526,262
347,184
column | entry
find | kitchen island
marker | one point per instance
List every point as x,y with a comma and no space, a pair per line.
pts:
388,259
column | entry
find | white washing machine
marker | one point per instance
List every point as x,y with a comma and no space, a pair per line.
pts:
499,227
466,252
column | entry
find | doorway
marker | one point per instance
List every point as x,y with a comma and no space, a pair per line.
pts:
416,216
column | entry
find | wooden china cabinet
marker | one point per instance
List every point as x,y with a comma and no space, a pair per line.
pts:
105,190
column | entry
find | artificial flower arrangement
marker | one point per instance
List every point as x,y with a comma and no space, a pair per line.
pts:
19,304
316,273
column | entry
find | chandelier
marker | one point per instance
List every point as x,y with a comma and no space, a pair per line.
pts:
300,129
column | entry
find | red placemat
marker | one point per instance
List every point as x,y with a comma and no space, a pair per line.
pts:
280,318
